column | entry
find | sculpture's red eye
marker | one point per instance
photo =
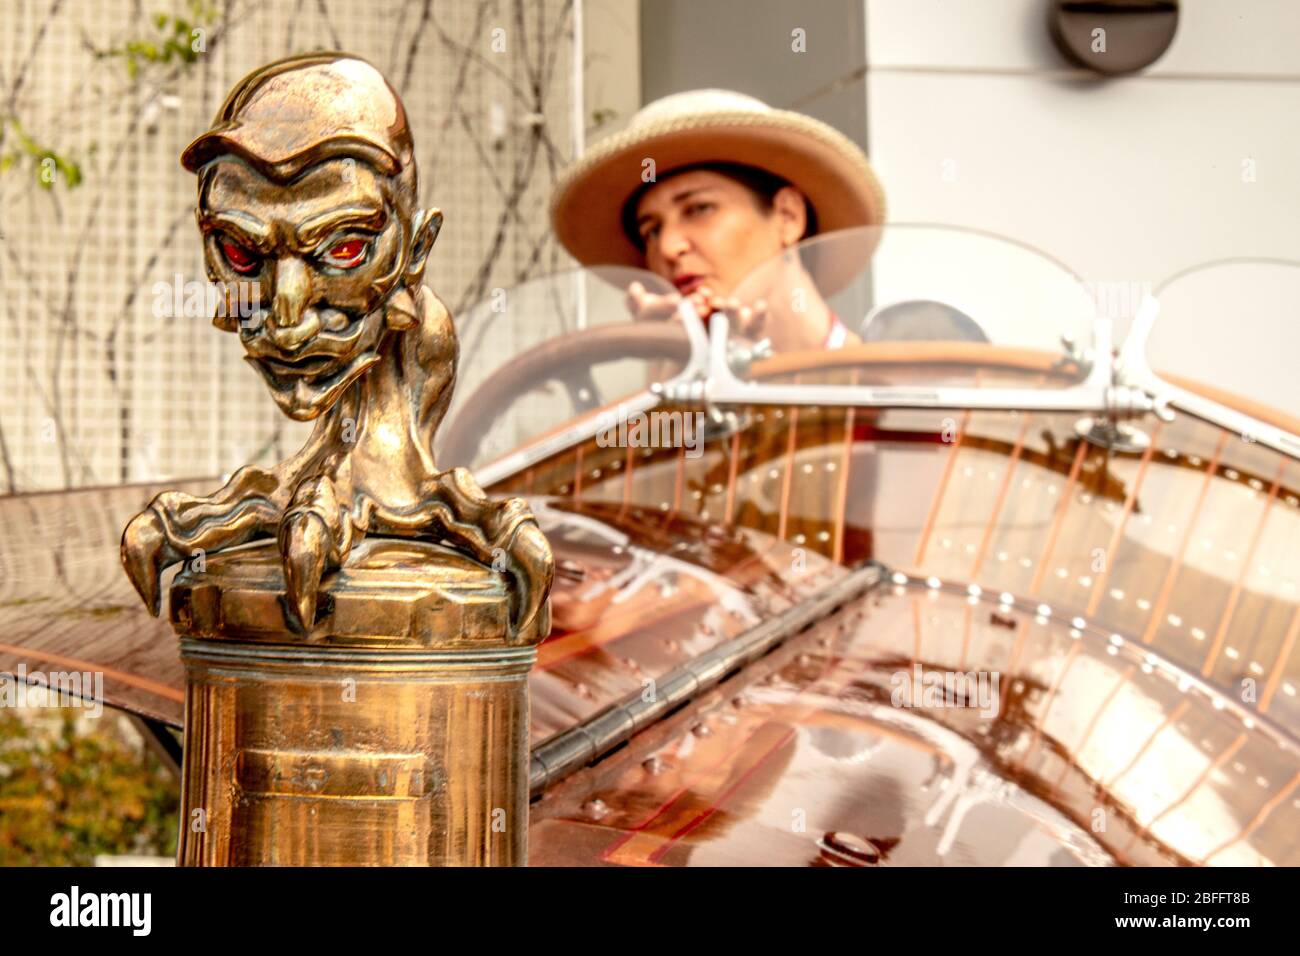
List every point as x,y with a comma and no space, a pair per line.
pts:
346,254
240,258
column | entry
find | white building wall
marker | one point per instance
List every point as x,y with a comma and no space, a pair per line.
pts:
974,118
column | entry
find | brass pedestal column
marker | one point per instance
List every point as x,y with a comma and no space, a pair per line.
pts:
394,733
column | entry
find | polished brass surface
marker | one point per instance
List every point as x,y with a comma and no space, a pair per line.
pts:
396,736
434,773
391,593
308,190
357,687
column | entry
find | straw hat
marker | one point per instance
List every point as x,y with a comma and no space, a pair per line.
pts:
709,126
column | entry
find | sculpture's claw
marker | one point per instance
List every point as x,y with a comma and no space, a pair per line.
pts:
304,541
533,568
314,536
145,552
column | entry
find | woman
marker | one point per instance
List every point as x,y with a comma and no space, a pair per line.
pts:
702,188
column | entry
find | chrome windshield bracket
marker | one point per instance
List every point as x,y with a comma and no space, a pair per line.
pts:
724,388
1134,374
690,385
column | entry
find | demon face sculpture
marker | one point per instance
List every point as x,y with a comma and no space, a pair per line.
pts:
307,187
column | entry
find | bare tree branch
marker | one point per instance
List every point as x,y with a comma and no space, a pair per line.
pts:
426,13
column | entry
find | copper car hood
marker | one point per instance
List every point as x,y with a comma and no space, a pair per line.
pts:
1113,737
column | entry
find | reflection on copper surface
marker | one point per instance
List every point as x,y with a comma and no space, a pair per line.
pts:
1112,743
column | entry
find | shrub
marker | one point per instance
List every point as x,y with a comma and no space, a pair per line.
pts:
70,790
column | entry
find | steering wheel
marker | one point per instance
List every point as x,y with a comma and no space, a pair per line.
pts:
568,359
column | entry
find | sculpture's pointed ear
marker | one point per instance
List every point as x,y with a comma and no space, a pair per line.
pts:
428,222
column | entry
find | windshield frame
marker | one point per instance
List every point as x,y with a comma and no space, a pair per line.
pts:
1134,370
725,388
1118,383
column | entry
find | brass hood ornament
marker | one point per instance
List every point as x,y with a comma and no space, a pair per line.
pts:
307,188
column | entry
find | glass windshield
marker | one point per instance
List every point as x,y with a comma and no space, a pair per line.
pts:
903,305
923,304
537,356
1230,331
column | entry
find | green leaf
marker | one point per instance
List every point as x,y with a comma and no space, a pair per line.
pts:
71,172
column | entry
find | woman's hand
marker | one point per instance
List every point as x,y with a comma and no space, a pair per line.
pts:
746,321
647,306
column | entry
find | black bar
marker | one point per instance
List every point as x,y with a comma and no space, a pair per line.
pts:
988,908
